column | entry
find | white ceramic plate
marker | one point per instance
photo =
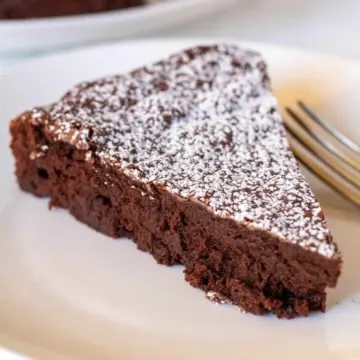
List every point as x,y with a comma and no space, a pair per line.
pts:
68,292
52,33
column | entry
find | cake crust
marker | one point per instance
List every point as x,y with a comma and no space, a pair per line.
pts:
189,157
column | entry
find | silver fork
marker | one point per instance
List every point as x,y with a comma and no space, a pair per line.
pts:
325,151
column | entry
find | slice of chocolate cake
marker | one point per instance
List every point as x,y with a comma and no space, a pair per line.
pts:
190,158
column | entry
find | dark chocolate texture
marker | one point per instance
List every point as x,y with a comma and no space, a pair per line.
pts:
190,158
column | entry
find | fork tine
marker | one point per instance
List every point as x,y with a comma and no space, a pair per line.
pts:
327,145
322,171
321,153
330,129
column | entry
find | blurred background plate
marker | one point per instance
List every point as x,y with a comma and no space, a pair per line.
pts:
29,36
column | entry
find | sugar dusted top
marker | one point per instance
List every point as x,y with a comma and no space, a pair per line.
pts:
204,124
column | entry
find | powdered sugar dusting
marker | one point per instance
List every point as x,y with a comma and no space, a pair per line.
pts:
205,125
217,298
220,299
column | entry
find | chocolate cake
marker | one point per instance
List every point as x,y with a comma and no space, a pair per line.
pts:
25,9
188,157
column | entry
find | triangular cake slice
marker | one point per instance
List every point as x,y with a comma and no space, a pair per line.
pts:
189,157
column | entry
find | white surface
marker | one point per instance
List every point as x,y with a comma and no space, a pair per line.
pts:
9,355
29,36
67,291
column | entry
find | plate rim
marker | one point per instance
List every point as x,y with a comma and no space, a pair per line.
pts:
56,33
